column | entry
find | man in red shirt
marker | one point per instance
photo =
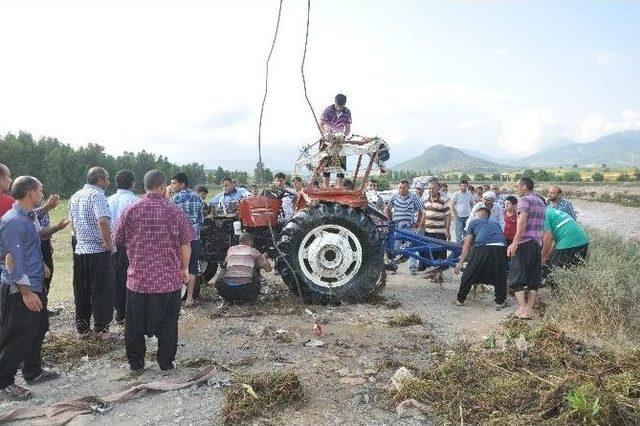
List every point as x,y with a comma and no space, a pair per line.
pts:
6,200
157,237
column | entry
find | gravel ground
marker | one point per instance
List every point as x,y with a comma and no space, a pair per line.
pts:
345,382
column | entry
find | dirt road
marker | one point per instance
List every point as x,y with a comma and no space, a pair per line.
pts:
346,381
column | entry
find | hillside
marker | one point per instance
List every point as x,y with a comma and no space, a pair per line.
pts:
620,149
442,158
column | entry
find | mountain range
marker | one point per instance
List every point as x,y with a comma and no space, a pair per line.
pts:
442,158
621,149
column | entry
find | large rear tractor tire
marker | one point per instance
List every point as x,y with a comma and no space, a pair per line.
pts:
332,253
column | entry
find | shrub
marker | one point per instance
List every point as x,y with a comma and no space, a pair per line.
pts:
600,299
597,177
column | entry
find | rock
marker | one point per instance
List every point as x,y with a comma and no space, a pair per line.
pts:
343,372
370,371
314,343
401,375
412,408
353,381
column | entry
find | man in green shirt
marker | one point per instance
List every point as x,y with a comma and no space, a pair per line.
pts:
568,237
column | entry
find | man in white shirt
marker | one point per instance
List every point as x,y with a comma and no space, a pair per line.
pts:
118,202
461,204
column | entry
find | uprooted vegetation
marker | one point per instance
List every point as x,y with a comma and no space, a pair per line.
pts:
530,377
547,374
67,348
260,395
599,301
404,320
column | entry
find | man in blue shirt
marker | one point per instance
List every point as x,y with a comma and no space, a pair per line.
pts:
118,202
485,246
191,204
23,303
227,200
93,277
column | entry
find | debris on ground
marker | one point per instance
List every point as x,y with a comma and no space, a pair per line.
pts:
404,320
401,377
67,348
314,343
551,378
259,395
195,362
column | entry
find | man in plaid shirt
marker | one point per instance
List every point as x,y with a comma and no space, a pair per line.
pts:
157,236
93,276
191,204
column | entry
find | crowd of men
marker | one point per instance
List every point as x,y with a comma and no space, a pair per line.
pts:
506,241
132,256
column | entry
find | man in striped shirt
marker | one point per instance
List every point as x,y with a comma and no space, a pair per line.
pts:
437,221
403,206
402,210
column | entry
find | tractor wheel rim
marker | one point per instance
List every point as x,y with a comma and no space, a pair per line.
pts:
330,255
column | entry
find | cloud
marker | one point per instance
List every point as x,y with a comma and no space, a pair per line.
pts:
597,124
224,119
603,57
528,131
470,123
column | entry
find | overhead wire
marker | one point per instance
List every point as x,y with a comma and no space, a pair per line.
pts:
266,82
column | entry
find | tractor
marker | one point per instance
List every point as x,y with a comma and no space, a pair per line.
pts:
332,249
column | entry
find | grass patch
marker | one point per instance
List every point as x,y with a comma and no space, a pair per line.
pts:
555,379
403,320
259,395
599,301
68,349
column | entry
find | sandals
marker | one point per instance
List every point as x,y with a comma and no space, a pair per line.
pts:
16,393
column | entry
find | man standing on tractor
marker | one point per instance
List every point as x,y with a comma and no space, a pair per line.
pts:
335,120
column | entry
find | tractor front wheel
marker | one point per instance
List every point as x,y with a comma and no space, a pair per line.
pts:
331,253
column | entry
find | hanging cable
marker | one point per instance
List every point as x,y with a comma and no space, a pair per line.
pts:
304,81
266,83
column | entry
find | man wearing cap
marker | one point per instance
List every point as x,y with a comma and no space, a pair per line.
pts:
489,202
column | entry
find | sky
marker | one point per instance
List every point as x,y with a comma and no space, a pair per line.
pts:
186,78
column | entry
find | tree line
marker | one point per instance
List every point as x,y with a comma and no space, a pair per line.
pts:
62,168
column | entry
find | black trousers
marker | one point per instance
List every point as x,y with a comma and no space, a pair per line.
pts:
93,285
120,264
240,293
152,315
47,256
21,334
486,265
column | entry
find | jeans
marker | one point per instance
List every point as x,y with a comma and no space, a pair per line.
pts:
414,264
460,232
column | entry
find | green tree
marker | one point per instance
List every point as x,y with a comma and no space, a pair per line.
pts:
571,176
496,177
262,175
597,177
479,177
623,177
464,176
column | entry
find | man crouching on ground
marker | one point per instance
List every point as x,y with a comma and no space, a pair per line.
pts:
157,235
23,304
487,261
240,281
